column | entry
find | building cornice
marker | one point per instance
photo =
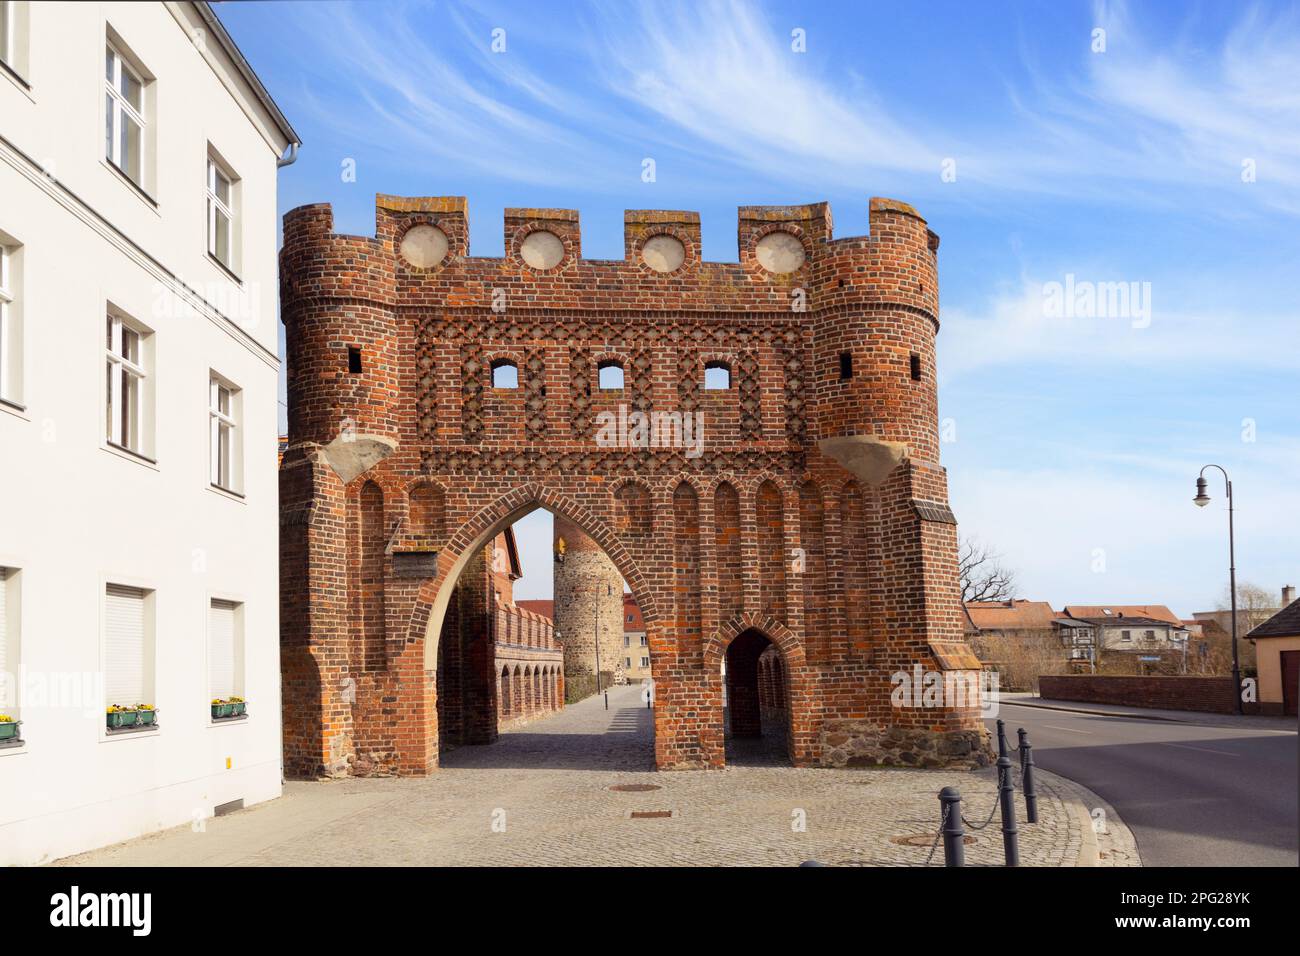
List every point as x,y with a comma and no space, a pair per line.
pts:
98,223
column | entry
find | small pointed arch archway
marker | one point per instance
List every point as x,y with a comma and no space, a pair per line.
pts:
764,686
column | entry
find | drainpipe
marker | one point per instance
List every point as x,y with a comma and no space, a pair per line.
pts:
289,158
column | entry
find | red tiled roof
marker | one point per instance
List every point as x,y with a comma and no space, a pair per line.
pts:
1156,611
546,608
1012,615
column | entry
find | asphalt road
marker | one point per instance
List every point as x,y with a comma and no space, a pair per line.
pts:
1193,795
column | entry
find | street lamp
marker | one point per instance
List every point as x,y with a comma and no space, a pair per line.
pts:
1201,500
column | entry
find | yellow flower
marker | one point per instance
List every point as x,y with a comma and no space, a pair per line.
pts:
6,719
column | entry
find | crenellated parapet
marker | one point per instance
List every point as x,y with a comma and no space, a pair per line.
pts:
422,247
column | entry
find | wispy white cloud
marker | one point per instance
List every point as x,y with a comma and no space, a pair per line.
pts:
717,80
1015,327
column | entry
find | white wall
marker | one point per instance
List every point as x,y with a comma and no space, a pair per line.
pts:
75,514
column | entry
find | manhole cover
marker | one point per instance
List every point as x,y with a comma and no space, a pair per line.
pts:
650,814
925,839
635,787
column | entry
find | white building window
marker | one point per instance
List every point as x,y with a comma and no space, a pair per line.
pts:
645,662
124,116
627,663
11,363
126,670
225,650
9,637
14,29
223,423
126,384
7,31
221,215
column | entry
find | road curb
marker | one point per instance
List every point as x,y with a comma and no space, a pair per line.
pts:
1030,702
1114,843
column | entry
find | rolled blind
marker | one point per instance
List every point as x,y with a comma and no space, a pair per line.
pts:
4,623
221,650
124,645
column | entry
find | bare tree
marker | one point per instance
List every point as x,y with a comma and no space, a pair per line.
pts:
983,575
1254,606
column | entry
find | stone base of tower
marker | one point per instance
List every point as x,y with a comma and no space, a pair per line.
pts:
856,743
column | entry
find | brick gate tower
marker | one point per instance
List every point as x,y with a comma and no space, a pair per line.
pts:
766,479
588,601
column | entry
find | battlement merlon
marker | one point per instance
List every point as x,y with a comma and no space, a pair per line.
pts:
894,263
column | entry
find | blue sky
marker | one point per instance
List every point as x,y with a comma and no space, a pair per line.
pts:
1163,152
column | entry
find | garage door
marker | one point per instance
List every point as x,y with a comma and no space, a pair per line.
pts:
1290,681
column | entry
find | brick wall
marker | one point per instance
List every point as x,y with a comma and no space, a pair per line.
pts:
1208,694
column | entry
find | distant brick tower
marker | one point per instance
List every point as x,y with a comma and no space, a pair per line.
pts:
588,595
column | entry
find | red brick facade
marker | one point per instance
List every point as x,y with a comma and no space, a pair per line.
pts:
814,512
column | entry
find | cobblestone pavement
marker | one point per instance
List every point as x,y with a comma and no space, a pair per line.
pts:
542,795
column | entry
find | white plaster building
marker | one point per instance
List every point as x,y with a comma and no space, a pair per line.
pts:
138,414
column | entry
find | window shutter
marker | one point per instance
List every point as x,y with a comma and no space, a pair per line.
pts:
124,646
221,650
4,621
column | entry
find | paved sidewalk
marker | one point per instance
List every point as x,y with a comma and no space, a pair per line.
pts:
542,796
1246,721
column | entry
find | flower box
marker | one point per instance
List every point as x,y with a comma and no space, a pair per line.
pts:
9,729
222,709
147,717
121,719
240,706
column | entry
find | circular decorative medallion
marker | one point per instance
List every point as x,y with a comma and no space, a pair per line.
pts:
779,252
663,253
424,246
542,250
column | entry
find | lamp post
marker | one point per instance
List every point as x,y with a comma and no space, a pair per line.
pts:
1201,500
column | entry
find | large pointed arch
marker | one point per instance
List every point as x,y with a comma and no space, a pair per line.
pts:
435,594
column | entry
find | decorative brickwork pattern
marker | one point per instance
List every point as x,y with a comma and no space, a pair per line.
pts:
709,559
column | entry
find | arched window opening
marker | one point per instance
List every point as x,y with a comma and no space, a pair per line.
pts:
611,374
505,374
717,376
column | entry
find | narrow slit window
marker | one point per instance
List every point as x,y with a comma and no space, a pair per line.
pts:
846,366
354,359
916,367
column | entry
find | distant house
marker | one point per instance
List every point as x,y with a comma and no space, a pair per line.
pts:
1010,617
1277,652
1158,612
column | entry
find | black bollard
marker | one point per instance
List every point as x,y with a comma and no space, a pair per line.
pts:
954,835
1007,798
1002,738
1027,776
